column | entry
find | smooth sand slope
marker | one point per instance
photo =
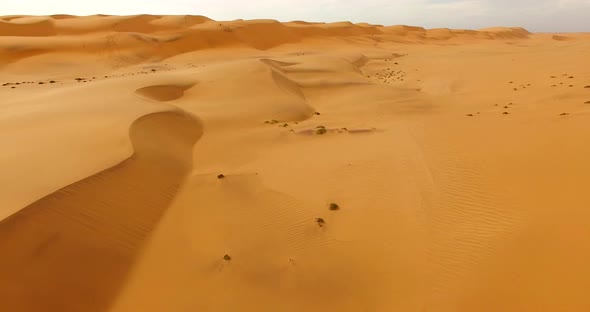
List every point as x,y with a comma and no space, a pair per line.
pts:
176,163
80,240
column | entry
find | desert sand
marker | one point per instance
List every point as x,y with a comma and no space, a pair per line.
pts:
177,163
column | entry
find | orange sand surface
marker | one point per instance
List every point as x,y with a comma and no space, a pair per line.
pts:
176,163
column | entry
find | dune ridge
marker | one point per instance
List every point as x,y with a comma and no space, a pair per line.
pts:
82,239
160,37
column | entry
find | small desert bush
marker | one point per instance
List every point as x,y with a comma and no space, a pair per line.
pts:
320,221
320,131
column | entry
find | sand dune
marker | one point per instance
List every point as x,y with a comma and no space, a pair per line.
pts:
160,37
27,27
79,241
562,38
177,163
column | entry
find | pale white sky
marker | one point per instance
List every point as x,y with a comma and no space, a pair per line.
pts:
535,15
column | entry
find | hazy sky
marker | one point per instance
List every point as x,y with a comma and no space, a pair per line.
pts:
535,15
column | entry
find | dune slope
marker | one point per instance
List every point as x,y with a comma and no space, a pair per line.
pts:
78,243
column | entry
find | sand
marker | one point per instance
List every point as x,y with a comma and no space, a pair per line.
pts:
176,163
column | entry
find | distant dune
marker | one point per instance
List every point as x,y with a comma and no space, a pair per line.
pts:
166,36
176,163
